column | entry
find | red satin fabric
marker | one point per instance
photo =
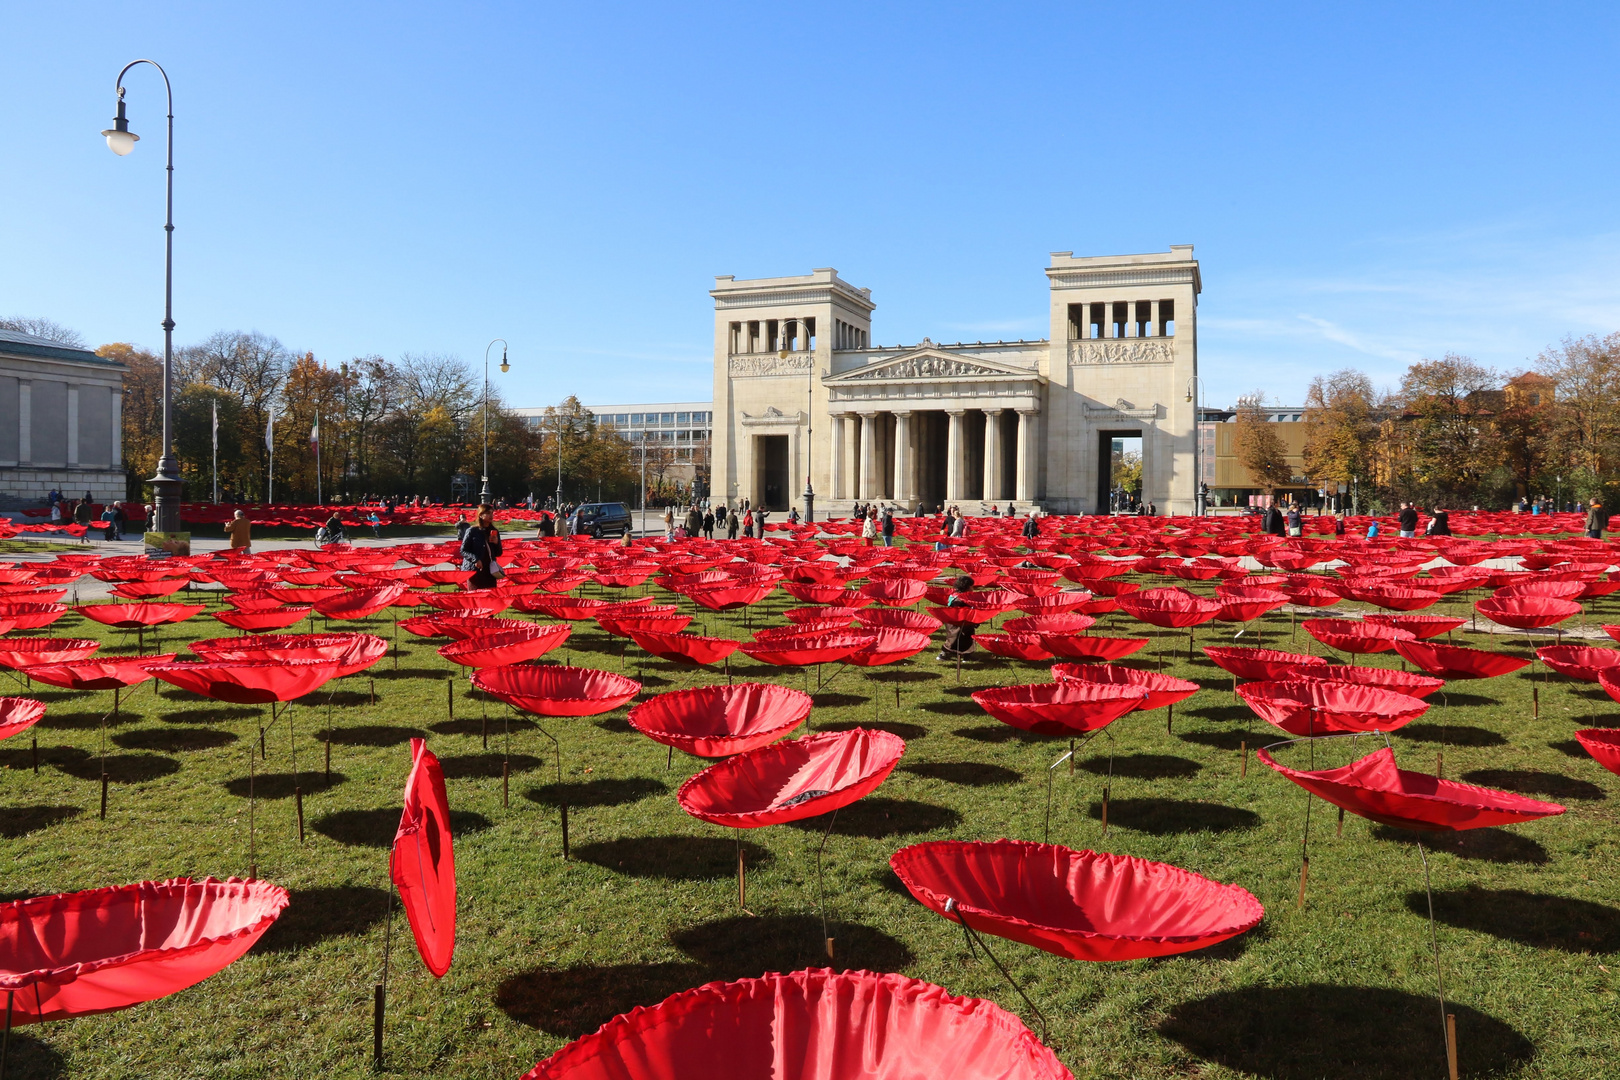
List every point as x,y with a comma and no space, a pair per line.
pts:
816,613
748,791
351,652
146,590
1527,612
1247,662
685,648
1402,682
1578,661
1161,689
423,862
1054,603
621,624
1065,708
1421,627
799,650
19,714
25,652
359,603
1351,636
809,1025
894,592
138,616
1458,661
1394,597
890,645
26,616
718,721
459,627
1308,707
1602,743
74,954
506,646
254,622
1078,904
1013,646
556,691
96,674
1056,623
482,602
1374,788
1609,680
254,601
1088,648
731,596
965,615
249,682
905,620
1170,608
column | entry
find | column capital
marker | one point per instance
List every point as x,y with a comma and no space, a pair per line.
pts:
1032,410
958,413
900,414
867,415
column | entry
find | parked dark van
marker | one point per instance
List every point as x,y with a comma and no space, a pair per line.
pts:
599,519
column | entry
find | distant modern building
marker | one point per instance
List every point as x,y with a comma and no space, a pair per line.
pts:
675,437
61,420
1230,483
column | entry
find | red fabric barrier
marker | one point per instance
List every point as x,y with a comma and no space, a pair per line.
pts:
718,721
810,1025
74,954
423,861
1077,904
789,781
1375,788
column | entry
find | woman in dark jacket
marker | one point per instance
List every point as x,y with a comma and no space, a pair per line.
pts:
480,547
959,638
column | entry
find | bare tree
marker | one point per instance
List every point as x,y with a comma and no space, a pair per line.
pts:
43,328
1257,445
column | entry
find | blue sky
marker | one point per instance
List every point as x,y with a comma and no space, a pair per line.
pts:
1365,185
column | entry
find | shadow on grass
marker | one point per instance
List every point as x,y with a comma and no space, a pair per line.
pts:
122,768
18,821
1169,817
1535,782
280,785
173,740
317,914
1540,920
1571,748
953,708
967,773
84,721
995,733
829,700
1143,766
474,725
1228,740
743,947
893,727
1451,735
1321,1032
1225,714
604,792
875,817
616,725
369,735
376,828
573,1001
29,1058
340,699
213,714
485,766
675,858
1486,845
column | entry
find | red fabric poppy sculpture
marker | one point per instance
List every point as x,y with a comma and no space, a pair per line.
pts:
1078,904
718,721
789,781
423,861
809,1025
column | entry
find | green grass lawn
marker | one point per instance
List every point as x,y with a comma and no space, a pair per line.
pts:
548,949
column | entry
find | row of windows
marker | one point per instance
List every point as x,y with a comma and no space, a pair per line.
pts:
639,419
667,436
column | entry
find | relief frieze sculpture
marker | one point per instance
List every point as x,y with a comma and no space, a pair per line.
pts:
1121,351
751,364
926,367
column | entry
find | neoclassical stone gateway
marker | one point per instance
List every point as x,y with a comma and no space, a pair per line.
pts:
800,391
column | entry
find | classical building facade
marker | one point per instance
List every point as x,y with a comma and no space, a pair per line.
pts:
61,420
800,392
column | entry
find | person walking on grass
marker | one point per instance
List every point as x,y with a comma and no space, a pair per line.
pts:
1407,519
959,638
888,526
1597,519
480,547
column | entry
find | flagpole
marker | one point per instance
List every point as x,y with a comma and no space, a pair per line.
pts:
270,445
317,441
216,451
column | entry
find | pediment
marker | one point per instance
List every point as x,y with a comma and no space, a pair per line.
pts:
933,364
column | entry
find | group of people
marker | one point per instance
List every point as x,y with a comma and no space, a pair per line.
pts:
742,521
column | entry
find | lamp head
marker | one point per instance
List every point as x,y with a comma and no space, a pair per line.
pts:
121,140
505,367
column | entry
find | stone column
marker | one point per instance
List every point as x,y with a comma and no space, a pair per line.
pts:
25,421
992,455
1027,459
836,466
955,456
868,488
72,425
904,494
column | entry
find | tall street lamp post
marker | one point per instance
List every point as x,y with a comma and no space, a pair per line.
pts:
1195,394
120,140
483,494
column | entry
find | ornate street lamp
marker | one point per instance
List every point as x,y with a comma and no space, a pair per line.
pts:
483,494
166,482
1195,394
